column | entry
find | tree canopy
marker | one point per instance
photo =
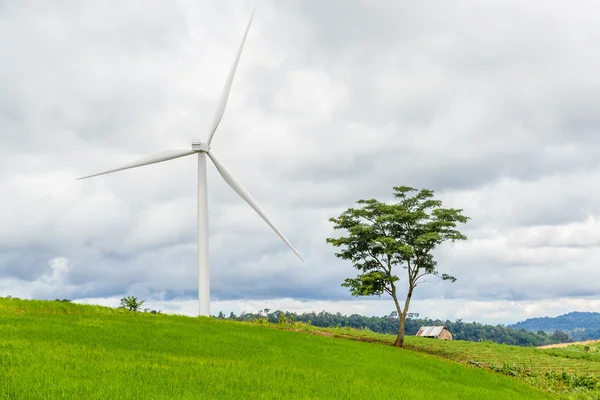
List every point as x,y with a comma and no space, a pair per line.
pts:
383,237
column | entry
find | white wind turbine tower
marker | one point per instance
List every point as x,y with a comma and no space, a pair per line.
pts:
202,149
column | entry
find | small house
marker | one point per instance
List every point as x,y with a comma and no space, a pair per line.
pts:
437,332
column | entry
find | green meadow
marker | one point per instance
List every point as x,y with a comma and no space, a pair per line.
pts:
572,372
54,350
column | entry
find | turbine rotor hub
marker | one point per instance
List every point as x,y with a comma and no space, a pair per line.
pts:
200,147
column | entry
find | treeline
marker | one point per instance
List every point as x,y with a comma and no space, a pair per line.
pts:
579,325
471,331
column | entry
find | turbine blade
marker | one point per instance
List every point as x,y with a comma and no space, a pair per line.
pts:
239,189
227,86
155,158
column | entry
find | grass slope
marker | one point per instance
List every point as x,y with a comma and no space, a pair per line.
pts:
56,350
573,371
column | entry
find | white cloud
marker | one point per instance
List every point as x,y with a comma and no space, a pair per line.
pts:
60,269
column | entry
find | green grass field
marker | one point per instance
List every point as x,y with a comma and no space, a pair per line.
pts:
573,371
51,350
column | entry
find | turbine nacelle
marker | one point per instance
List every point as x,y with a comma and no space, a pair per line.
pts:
200,147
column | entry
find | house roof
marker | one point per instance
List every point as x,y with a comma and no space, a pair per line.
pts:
430,330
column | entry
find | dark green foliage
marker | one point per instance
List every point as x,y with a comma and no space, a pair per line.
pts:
574,380
578,325
561,337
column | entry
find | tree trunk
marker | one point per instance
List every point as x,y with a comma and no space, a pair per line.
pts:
397,343
400,338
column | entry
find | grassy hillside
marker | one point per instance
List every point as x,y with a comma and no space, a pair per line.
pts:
58,350
573,371
587,352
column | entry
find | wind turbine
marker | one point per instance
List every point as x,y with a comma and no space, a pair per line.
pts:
202,149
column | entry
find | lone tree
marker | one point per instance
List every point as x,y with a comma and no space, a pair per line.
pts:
382,237
131,303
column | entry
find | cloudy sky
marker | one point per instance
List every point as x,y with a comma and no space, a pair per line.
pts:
492,104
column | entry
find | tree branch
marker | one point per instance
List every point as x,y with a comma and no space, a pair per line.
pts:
420,276
412,272
378,261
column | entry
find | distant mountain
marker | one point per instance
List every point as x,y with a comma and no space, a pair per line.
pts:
579,325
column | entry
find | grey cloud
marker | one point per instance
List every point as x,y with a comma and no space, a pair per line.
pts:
492,106
489,117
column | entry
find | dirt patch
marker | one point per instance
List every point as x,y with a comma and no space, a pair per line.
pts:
552,346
